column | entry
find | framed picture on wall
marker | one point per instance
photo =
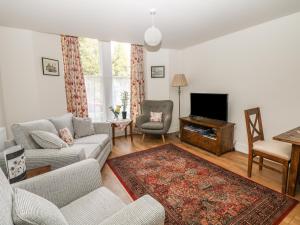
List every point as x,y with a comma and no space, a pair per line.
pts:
157,71
50,66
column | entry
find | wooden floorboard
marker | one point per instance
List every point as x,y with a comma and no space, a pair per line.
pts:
233,161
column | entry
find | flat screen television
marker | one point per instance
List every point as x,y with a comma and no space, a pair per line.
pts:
213,106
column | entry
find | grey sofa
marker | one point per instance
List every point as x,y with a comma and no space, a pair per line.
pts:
143,121
78,193
97,146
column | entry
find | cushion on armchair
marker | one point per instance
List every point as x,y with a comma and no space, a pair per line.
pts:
153,126
31,209
156,116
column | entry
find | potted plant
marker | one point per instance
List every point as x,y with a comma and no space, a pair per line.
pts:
124,100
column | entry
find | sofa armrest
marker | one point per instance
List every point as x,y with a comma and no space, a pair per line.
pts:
141,119
66,184
144,211
103,128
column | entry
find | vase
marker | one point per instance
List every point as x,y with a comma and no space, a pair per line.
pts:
124,115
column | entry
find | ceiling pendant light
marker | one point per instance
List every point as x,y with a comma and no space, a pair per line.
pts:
153,35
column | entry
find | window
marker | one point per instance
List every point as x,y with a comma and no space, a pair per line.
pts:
120,53
104,90
90,60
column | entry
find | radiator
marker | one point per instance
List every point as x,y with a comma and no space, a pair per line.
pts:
2,137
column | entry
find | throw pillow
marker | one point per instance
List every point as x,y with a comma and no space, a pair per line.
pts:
83,127
31,209
155,116
63,121
66,135
48,140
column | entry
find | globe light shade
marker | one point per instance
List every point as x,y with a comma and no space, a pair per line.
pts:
152,36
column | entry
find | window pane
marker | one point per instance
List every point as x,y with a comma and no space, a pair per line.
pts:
89,55
121,73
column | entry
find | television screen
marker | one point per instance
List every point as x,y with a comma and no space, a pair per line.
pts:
213,106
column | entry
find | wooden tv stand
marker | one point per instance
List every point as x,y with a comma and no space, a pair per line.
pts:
220,139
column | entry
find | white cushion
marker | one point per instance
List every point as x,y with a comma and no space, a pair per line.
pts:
101,139
92,208
31,209
48,140
91,150
276,148
83,127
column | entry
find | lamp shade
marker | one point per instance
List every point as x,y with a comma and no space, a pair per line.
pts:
179,80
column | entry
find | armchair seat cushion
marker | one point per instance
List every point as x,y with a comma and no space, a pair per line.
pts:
92,208
101,139
276,148
152,126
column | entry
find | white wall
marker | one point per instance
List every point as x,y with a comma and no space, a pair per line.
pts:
160,88
27,94
259,66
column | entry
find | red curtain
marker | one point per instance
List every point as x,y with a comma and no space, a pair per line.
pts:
74,79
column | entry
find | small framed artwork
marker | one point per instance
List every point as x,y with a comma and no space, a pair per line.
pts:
15,163
157,71
50,66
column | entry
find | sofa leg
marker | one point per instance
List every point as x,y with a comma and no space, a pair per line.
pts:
143,137
163,138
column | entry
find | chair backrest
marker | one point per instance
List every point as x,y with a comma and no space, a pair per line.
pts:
164,106
254,125
5,200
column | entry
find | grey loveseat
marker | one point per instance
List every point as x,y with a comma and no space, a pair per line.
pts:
77,192
97,146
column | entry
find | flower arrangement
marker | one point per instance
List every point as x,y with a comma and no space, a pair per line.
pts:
116,111
124,100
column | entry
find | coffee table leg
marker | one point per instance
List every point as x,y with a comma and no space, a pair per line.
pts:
126,131
113,134
293,170
131,137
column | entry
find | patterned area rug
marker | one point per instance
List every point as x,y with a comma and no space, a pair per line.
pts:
196,191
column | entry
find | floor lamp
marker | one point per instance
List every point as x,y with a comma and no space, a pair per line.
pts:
179,81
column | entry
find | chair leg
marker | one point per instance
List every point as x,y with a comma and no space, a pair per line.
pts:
261,162
143,137
163,138
284,177
250,161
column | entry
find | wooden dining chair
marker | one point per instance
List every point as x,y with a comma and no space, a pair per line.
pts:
276,151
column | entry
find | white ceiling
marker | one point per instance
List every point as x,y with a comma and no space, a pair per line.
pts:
182,22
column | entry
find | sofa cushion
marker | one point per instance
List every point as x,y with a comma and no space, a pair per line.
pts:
21,132
83,127
101,139
48,140
61,122
90,150
31,209
92,208
153,126
5,201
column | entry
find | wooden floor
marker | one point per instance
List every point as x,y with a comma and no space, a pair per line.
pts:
234,161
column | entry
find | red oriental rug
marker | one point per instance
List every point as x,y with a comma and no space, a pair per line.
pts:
196,191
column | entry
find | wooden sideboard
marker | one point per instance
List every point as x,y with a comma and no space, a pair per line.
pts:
218,142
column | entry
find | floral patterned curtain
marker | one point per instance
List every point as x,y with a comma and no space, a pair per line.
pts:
137,80
74,79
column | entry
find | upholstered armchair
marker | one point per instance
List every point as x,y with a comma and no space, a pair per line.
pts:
73,195
144,124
